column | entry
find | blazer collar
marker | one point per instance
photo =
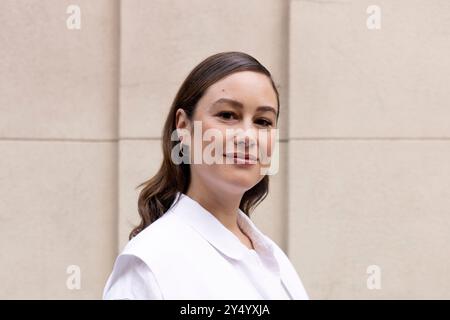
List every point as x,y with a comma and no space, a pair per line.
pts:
213,231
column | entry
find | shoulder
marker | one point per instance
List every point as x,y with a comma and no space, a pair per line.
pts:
131,279
160,235
133,275
166,241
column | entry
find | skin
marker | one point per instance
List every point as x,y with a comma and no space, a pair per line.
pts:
219,187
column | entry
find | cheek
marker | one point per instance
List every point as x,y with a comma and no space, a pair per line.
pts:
215,139
266,143
207,132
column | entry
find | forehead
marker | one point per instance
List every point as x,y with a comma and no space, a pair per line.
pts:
250,88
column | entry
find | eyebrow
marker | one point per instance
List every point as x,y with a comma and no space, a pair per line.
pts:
239,105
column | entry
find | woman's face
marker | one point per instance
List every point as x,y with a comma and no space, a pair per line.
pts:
240,113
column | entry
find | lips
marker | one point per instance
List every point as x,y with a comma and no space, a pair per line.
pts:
247,157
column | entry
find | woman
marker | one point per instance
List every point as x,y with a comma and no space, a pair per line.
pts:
195,239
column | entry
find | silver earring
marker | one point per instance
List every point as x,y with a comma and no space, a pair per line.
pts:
181,149
184,153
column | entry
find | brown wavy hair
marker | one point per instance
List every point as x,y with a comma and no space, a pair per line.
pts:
159,192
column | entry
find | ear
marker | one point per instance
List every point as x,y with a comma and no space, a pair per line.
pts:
182,123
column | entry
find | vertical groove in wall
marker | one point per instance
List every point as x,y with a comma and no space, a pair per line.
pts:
118,20
286,209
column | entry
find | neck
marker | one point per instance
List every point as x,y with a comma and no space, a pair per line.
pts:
223,206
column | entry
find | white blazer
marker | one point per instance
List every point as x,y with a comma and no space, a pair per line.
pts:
189,254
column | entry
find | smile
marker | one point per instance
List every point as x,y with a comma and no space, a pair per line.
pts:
242,158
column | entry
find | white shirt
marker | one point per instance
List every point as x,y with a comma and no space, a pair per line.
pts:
189,254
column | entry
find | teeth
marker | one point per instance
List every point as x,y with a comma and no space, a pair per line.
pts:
241,159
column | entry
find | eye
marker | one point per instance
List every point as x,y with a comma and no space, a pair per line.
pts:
264,122
226,115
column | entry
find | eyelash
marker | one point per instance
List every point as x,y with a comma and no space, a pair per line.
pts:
268,122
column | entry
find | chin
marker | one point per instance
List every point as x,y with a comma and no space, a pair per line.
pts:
237,181
240,185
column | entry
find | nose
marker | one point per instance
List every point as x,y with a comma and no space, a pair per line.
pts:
245,141
246,137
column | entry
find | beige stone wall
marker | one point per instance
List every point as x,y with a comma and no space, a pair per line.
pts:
364,146
369,148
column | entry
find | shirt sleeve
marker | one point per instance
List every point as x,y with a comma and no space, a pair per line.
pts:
131,279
